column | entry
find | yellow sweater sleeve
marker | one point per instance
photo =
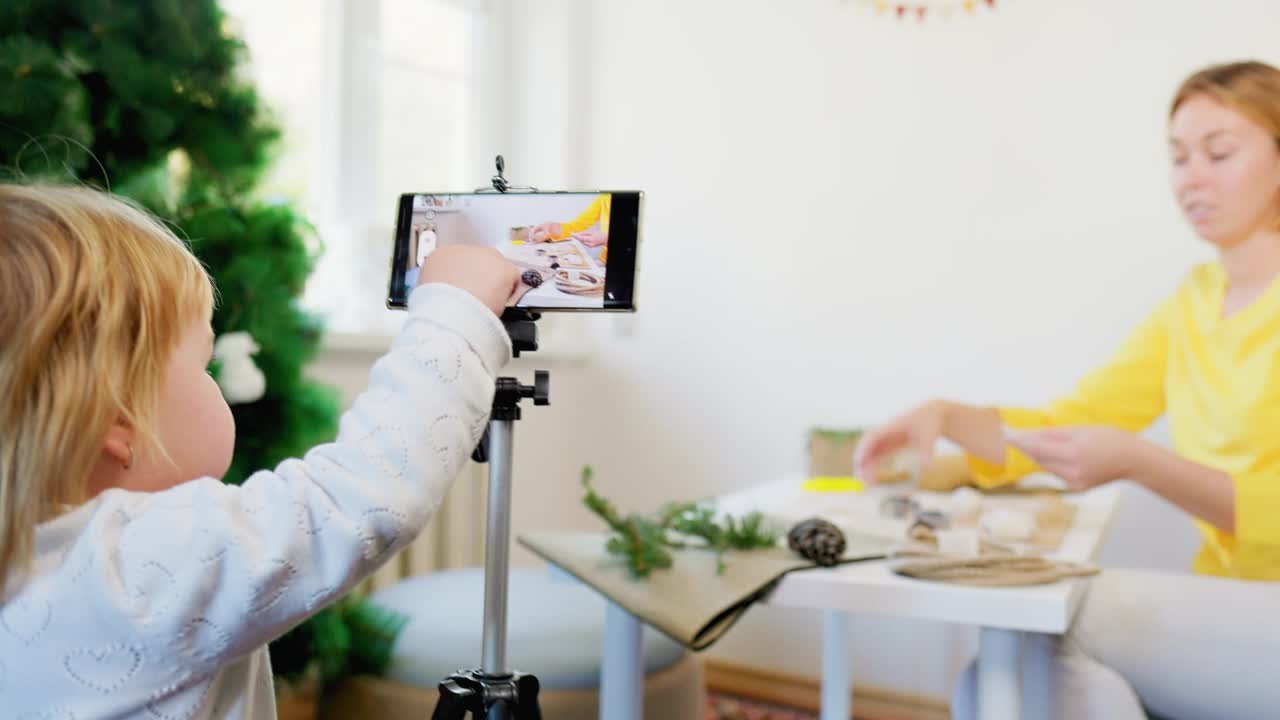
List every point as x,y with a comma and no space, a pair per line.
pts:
596,212
1127,392
1255,547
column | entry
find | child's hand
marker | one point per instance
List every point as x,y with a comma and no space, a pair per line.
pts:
483,272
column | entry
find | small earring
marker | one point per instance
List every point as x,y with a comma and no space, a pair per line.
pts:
130,463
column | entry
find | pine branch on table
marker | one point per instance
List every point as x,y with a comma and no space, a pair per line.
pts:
646,542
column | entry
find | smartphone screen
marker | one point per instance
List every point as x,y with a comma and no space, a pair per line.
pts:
575,250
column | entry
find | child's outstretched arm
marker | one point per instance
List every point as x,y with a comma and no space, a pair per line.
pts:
204,573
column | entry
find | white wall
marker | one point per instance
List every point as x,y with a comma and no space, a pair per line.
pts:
845,215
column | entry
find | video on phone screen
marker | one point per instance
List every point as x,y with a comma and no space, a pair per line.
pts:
559,241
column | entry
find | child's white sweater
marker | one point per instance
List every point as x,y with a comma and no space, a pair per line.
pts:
160,605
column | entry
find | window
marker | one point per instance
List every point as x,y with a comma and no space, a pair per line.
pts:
377,98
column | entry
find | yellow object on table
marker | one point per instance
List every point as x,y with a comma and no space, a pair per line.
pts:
834,483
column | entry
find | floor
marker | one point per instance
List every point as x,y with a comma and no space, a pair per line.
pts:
727,707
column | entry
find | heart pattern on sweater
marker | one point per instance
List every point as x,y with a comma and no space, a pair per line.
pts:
271,584
313,515
203,639
388,450
320,597
442,358
105,670
181,704
150,588
380,528
447,435
26,619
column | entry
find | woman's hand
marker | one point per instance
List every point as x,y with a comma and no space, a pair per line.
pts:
546,232
918,429
1083,456
591,238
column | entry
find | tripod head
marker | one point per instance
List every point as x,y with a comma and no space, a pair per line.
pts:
521,328
500,183
508,393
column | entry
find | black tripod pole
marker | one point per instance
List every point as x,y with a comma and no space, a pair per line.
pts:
495,691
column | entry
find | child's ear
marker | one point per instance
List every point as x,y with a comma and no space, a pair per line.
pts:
119,443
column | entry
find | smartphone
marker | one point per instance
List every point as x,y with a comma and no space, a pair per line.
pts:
576,249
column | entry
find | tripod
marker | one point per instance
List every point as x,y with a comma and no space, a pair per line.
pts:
496,692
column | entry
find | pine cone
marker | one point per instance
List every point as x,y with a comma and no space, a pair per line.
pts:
817,540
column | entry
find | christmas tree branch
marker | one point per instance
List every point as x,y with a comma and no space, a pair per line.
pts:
646,542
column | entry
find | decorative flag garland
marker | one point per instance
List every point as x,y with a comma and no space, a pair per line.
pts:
924,9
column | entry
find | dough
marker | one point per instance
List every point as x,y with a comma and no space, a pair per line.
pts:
1009,525
965,502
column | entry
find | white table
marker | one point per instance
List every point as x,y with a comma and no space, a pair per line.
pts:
1002,614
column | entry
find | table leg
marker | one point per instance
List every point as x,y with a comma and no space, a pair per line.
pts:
836,684
999,693
622,666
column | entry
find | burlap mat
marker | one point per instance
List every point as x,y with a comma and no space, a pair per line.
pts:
688,601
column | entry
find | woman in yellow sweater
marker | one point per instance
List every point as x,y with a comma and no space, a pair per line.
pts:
591,228
1208,357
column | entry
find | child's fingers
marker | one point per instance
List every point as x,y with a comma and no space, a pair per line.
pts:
517,293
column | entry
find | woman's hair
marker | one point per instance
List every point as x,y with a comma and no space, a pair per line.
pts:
1250,88
94,296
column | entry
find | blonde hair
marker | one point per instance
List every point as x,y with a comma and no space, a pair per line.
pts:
94,296
1250,88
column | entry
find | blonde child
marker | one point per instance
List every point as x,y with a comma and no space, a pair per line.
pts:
136,583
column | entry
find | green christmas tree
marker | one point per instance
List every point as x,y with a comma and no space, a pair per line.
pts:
143,97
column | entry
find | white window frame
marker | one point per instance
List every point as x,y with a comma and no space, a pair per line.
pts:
342,195
343,202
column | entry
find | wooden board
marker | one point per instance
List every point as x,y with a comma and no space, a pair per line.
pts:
1054,517
568,254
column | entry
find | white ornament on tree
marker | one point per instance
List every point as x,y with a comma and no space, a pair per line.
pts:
240,379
